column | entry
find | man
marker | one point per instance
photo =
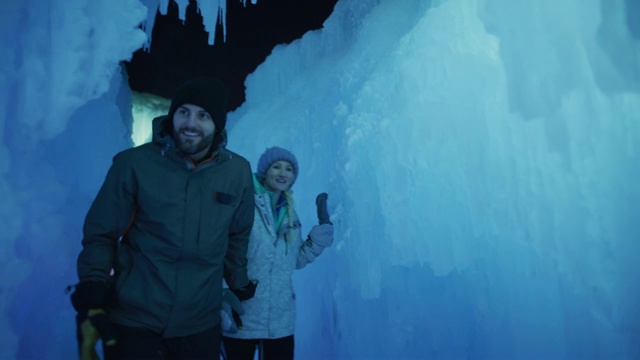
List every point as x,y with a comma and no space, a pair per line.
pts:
172,219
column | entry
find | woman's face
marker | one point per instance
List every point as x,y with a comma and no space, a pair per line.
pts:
279,176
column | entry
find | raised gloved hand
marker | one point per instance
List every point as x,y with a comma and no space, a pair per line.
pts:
321,205
92,322
230,313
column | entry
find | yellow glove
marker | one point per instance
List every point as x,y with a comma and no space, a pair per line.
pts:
90,336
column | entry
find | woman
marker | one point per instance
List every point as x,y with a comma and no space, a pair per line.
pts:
276,249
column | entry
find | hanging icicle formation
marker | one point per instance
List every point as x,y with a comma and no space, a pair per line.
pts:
212,11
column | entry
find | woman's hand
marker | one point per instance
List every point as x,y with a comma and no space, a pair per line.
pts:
321,205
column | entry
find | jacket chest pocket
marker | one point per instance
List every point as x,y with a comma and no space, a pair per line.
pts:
217,208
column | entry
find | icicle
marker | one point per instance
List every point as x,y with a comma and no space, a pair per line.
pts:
212,11
182,9
152,8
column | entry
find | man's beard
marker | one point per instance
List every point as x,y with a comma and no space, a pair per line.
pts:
193,146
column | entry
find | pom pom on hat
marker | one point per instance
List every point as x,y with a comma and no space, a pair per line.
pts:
274,154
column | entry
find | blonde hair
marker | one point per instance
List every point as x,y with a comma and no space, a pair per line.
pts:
288,195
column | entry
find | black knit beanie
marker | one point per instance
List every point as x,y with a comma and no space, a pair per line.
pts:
208,93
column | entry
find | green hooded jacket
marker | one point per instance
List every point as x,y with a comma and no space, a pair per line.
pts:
163,232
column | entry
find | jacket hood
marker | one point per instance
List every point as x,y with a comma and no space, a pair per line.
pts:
162,130
257,185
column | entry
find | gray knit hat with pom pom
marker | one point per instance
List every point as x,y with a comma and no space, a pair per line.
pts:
274,154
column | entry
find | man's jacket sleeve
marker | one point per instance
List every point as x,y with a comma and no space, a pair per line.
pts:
235,264
111,212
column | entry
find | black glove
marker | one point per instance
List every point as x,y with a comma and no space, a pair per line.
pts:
246,292
89,295
88,299
321,205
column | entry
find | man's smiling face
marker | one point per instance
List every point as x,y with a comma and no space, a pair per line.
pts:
193,130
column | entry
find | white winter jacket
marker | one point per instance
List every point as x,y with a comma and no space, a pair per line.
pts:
270,314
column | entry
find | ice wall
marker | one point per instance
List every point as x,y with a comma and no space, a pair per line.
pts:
60,83
483,161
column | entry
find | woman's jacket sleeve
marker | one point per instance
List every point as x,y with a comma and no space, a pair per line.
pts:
320,237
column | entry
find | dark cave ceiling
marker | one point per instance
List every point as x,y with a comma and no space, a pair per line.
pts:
180,51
